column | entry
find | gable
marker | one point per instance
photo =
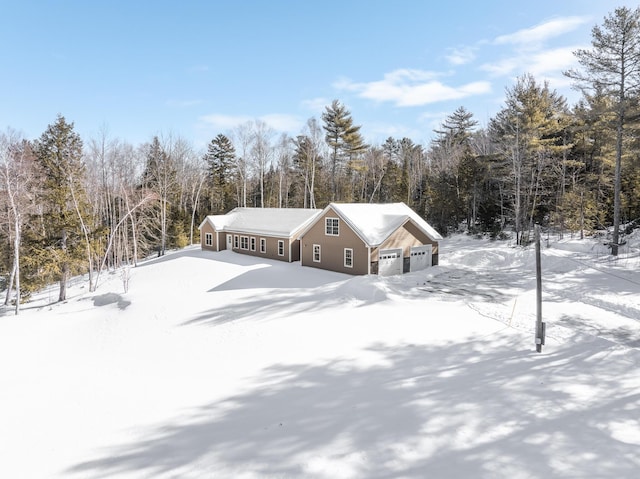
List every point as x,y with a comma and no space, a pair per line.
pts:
374,223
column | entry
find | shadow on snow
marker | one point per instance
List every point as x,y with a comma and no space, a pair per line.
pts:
481,409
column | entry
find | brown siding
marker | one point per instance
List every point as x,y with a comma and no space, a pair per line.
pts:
272,247
332,247
207,228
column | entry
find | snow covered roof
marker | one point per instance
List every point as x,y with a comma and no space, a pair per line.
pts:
375,222
267,221
217,221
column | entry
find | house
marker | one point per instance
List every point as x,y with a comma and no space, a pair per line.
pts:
264,232
367,238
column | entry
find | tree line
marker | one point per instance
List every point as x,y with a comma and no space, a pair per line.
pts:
72,206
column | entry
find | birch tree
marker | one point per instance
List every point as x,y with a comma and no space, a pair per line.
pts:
261,153
18,185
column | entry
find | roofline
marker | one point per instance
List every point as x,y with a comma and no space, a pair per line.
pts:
291,234
206,218
358,233
346,220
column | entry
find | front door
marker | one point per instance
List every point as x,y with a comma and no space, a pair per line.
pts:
229,241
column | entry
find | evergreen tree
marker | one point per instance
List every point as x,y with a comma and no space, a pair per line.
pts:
60,250
529,131
413,162
343,138
159,177
450,153
588,204
612,66
220,159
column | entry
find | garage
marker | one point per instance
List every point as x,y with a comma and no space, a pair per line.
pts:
420,257
390,262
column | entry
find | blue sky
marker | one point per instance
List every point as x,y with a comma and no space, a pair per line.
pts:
134,69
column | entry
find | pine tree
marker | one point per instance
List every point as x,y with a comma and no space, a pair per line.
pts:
220,158
159,177
59,156
343,138
529,131
612,66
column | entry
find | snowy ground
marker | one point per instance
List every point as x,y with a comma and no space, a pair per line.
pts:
224,366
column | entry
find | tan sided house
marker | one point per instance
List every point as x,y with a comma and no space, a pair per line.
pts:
264,232
367,238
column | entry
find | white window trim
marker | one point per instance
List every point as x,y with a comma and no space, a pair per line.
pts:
252,243
244,242
236,242
345,258
280,247
319,260
263,245
208,239
326,228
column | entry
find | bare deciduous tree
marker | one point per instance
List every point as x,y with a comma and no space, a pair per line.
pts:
17,185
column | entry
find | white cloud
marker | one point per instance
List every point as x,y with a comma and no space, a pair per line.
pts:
536,35
554,60
316,105
376,133
224,122
282,122
460,55
406,87
539,64
277,121
504,66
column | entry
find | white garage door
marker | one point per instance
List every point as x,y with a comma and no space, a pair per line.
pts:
420,257
390,262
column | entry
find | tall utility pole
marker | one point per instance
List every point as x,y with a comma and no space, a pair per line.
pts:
540,326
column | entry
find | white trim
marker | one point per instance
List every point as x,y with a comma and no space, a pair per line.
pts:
263,245
252,243
208,239
236,242
280,242
344,258
334,226
313,253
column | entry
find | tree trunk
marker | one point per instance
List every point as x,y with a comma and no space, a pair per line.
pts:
617,185
64,267
16,262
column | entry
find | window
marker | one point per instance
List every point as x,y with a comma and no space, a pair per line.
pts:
263,245
331,226
348,258
235,241
253,244
280,248
316,253
208,239
244,242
